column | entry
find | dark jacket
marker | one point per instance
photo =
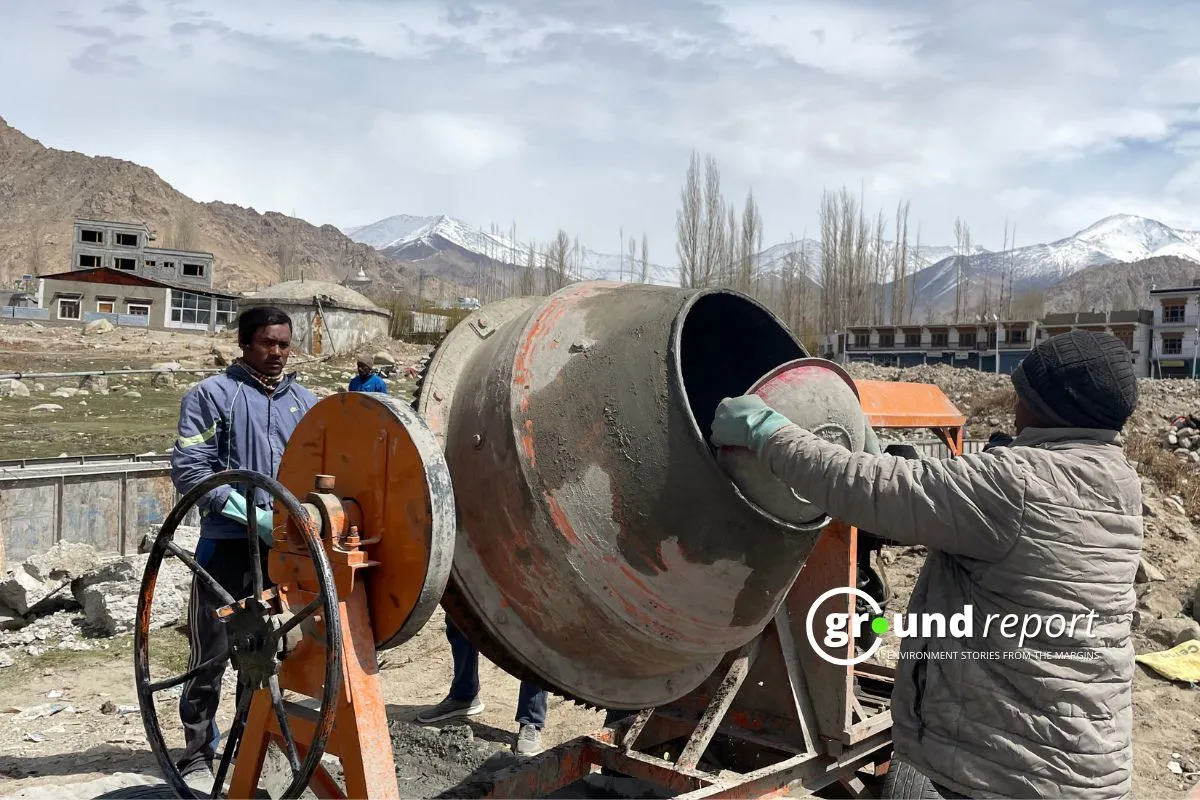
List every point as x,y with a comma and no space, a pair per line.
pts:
229,422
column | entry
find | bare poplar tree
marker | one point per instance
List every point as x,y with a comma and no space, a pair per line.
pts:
632,257
714,247
750,242
645,259
962,240
912,292
558,258
689,220
728,271
900,265
528,285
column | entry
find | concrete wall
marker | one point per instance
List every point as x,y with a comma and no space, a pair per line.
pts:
107,505
343,330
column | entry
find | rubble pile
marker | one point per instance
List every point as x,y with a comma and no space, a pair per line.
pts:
72,597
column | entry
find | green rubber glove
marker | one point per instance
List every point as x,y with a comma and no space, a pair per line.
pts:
871,445
745,421
235,509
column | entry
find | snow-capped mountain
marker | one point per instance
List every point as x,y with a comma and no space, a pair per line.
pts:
418,239
444,243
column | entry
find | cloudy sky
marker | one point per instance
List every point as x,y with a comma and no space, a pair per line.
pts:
582,115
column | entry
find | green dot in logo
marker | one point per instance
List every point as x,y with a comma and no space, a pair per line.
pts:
880,626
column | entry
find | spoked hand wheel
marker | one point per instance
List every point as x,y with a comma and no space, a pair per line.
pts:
256,630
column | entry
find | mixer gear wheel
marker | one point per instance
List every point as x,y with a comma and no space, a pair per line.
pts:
257,631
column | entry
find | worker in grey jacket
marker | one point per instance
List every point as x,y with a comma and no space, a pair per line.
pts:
241,419
1046,529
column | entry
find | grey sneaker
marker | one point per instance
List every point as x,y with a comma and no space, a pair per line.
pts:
529,741
450,708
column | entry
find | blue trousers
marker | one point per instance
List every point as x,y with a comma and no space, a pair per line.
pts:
531,702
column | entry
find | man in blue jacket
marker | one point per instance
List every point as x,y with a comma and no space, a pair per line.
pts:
366,380
241,419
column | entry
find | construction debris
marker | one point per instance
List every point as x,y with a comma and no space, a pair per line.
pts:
70,595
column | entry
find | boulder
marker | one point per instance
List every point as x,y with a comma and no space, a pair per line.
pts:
95,383
132,395
10,620
64,391
12,386
50,407
109,594
167,366
1147,572
98,326
1196,602
163,380
1173,631
1156,601
381,358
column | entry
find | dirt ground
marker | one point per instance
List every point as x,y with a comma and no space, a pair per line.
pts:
82,742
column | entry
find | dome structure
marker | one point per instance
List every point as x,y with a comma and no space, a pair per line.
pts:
327,318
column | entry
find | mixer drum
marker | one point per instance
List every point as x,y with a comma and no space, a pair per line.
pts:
602,551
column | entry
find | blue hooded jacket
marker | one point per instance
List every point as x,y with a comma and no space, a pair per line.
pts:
229,422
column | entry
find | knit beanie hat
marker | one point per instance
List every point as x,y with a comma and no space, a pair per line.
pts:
1079,379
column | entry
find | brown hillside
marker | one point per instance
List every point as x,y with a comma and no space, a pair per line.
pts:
1115,287
43,189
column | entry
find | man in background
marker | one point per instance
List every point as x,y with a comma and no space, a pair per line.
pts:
241,419
367,380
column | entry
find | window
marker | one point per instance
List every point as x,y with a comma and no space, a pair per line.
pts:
912,339
862,340
1018,336
91,237
125,263
967,338
887,340
193,270
127,239
68,308
168,265
137,309
105,306
1126,338
1173,312
226,311
88,261
1172,345
939,339
191,309
150,263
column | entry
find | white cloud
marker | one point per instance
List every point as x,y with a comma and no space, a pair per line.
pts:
582,116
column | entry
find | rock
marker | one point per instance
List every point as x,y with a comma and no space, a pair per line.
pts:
1173,631
109,594
1156,601
64,392
12,386
1147,572
39,387
163,380
46,407
5,659
95,383
322,391
186,537
1196,602
10,620
383,358
132,395
168,366
98,326
40,576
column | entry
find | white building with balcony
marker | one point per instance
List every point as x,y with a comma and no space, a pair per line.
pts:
1176,339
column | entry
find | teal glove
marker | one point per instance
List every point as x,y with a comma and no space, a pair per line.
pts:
871,445
745,421
235,509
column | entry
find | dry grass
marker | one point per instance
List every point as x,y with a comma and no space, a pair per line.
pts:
1171,475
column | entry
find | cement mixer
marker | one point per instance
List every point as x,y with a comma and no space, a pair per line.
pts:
554,488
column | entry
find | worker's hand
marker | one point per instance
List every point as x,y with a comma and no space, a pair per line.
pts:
745,421
264,518
871,444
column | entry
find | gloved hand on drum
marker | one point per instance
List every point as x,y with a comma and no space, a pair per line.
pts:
745,421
